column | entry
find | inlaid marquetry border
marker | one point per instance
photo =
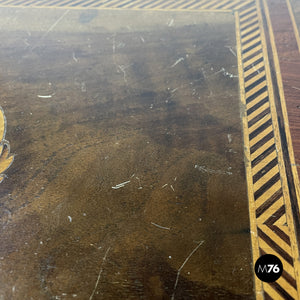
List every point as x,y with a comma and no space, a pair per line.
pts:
224,5
6,158
271,218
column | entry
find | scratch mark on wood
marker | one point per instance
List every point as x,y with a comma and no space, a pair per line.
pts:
99,275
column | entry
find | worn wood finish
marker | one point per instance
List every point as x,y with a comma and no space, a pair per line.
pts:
289,61
268,149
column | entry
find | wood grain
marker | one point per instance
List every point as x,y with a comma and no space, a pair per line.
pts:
289,61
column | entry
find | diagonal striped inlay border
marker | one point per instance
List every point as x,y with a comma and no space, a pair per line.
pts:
134,4
271,219
272,224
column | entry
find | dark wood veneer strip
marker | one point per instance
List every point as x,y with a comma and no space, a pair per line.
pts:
275,247
262,172
268,203
259,117
275,216
266,186
261,142
260,129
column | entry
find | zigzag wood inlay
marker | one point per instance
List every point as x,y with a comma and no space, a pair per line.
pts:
254,73
258,117
267,296
268,203
67,3
255,22
253,64
256,94
257,105
282,235
263,155
261,128
285,275
260,143
150,4
222,5
245,5
216,5
256,28
266,186
275,216
251,47
275,246
246,12
249,17
254,84
281,291
177,4
264,171
190,4
251,39
253,55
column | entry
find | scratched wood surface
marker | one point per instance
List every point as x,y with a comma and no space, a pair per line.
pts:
128,180
273,223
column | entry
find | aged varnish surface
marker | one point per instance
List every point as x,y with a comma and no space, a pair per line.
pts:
128,180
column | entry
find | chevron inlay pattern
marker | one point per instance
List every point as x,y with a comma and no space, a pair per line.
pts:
272,224
274,230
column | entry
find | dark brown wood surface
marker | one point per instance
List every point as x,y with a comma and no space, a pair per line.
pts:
289,61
